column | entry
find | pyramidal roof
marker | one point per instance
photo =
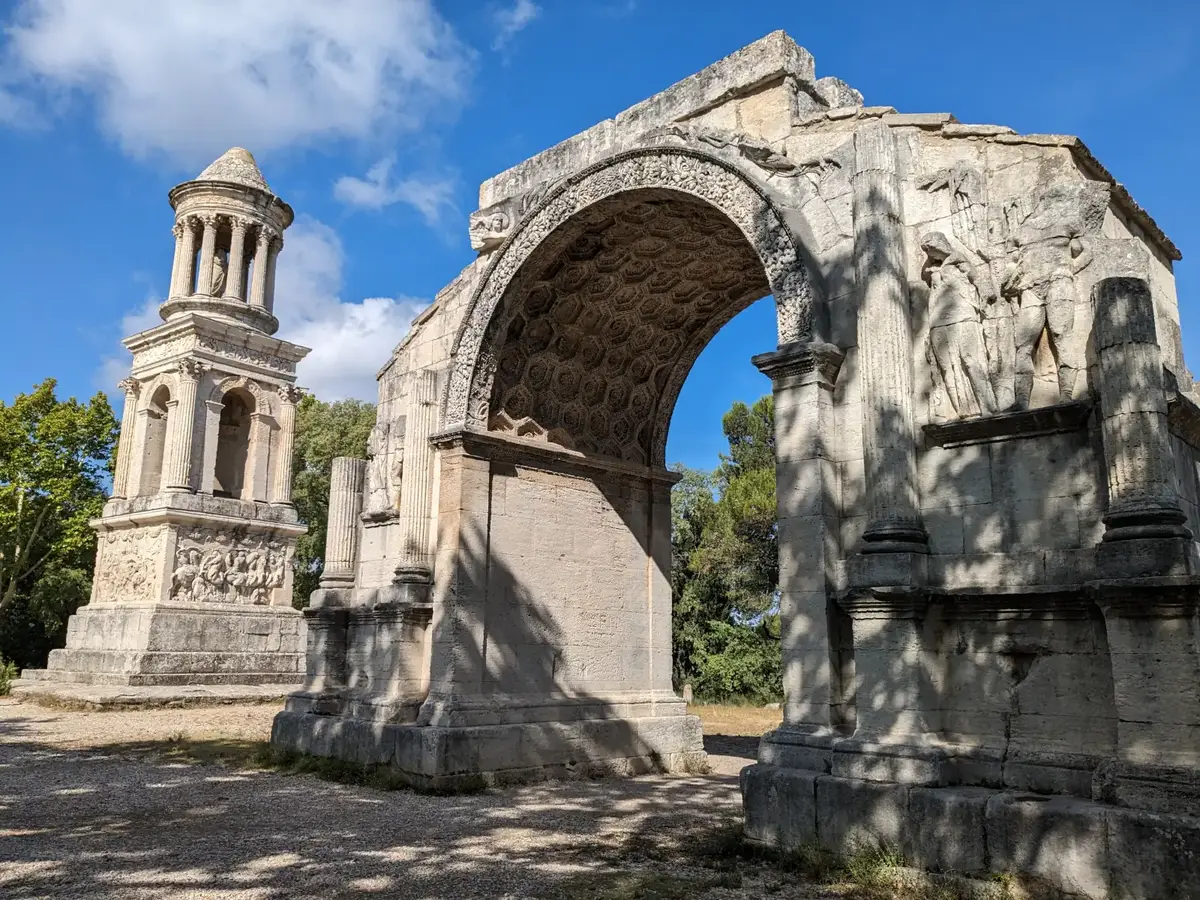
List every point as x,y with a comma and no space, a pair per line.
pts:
236,165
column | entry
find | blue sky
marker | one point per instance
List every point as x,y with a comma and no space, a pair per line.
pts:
377,119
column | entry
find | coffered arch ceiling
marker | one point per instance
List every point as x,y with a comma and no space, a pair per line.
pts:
600,327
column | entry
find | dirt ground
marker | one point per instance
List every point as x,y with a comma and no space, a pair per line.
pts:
100,804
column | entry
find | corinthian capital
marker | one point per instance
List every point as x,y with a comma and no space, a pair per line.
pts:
190,369
130,386
290,393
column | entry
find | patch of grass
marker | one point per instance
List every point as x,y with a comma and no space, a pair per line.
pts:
8,674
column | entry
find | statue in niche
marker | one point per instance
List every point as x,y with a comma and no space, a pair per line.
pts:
956,339
378,499
1040,279
218,274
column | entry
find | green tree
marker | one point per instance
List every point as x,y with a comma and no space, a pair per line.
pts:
725,565
55,462
323,431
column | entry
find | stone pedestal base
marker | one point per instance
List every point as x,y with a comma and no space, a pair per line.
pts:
179,644
451,758
1096,850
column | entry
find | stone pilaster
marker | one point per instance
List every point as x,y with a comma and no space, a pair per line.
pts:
1145,532
258,288
181,422
208,248
259,455
281,486
416,493
234,285
885,348
125,444
341,534
802,377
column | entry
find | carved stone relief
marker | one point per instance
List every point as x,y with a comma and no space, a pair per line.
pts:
489,228
227,567
679,171
385,468
1016,264
125,571
247,355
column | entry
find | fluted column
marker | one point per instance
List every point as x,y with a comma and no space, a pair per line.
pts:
281,481
184,273
235,287
208,249
272,259
341,533
416,492
181,426
131,387
884,347
258,290
1143,500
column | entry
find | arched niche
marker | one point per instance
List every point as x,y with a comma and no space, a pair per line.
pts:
234,429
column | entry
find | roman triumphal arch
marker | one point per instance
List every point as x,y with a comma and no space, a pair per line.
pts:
986,480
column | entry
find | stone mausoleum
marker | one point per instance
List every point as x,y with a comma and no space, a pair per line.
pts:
987,485
193,581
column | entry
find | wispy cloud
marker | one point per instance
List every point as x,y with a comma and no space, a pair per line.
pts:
510,20
431,195
190,78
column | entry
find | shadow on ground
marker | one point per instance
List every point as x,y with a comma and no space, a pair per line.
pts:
138,821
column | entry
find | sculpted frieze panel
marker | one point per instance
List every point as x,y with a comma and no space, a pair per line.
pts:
247,355
213,566
1004,294
164,351
126,567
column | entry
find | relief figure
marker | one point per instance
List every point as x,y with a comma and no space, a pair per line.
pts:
1041,280
956,326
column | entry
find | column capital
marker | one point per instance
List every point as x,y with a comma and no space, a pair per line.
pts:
211,219
289,393
178,229
130,386
812,362
191,369
239,223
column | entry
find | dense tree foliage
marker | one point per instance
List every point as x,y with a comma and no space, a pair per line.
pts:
55,462
323,431
725,566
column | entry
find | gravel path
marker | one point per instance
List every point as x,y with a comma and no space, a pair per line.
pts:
85,812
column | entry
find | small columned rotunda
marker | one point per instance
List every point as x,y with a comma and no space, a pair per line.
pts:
193,570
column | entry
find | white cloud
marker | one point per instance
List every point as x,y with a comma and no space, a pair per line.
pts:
190,78
511,20
350,341
432,195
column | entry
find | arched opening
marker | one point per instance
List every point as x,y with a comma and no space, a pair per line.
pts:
233,444
600,328
154,441
583,358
